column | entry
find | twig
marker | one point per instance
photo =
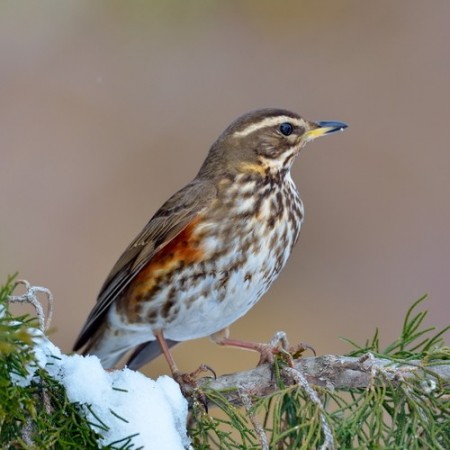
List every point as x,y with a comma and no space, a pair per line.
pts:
247,403
300,379
31,296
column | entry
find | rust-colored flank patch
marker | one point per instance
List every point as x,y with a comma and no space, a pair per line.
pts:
182,250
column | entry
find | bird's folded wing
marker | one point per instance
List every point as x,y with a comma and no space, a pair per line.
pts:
183,207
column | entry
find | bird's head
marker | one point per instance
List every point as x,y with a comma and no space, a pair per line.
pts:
264,140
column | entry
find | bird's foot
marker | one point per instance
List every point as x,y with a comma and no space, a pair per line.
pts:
279,347
188,384
191,378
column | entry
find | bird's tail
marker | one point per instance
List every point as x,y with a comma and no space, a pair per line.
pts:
107,346
146,352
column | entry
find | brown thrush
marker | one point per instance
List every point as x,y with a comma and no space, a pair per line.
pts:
212,250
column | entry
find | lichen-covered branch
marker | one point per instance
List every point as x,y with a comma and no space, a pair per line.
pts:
332,372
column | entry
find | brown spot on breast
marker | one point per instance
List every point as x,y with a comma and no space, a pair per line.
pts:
271,222
224,279
257,205
151,316
166,308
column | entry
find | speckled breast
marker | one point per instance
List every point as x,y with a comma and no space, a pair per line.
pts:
223,262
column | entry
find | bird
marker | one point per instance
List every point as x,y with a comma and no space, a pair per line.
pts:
211,251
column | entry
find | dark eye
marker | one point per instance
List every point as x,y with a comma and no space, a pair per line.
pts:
286,128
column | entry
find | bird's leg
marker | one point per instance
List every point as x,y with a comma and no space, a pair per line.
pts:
185,380
166,352
279,345
267,351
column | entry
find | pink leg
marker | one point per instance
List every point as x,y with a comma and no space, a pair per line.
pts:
185,380
278,345
167,354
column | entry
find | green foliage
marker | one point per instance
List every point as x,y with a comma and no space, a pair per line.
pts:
413,343
412,413
37,415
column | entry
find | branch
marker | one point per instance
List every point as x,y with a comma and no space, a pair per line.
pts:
331,372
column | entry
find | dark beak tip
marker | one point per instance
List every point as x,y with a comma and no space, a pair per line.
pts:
333,126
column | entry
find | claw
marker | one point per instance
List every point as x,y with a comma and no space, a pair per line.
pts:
302,347
188,384
201,397
204,368
279,346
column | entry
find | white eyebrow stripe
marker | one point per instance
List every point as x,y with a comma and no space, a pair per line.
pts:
269,121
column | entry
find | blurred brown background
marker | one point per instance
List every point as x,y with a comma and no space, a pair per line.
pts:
108,107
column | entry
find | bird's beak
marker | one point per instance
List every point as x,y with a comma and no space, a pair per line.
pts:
319,129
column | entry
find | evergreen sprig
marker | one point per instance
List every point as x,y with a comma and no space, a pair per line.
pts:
34,415
409,413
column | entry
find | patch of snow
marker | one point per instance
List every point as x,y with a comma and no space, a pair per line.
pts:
127,402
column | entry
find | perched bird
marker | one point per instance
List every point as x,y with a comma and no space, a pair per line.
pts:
212,250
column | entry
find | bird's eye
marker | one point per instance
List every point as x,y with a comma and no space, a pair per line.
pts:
286,128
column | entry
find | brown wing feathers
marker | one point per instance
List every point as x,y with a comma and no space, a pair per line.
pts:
164,226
